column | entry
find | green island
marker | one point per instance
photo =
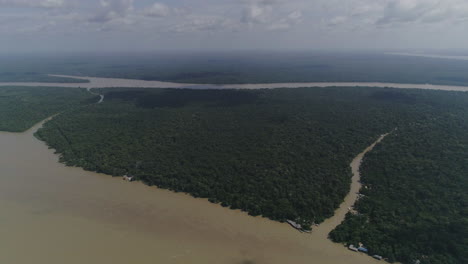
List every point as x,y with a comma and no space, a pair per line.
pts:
22,107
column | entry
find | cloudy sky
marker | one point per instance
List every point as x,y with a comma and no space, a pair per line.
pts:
126,25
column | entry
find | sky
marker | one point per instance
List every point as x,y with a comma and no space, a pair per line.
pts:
148,25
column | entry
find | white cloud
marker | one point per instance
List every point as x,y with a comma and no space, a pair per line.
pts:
258,11
272,14
203,23
33,3
338,20
157,10
425,11
52,3
111,10
403,11
287,22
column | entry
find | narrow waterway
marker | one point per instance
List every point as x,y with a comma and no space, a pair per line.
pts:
55,214
331,223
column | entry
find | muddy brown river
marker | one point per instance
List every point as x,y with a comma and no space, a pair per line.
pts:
96,82
53,214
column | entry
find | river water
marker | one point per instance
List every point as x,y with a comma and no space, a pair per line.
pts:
54,214
95,82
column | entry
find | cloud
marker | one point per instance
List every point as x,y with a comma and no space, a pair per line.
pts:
362,22
51,3
203,23
258,11
157,10
404,11
273,14
33,3
422,11
368,15
338,20
287,22
112,9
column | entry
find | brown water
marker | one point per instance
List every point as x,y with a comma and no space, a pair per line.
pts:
95,82
55,214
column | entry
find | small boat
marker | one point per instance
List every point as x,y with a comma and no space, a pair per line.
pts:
294,224
297,226
353,248
377,257
128,178
363,249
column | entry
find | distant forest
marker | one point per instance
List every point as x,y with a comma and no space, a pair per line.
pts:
36,77
238,67
22,107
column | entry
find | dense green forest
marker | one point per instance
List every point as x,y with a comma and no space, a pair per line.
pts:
281,153
238,67
416,191
22,107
